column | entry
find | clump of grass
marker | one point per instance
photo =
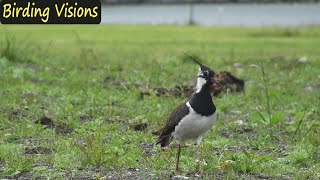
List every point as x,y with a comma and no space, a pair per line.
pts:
94,150
86,53
14,50
273,118
12,156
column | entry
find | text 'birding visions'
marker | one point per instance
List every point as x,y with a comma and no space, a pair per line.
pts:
50,11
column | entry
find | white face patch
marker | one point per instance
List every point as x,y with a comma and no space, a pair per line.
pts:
200,73
200,81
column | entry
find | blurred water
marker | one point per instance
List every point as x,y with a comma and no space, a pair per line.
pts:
215,14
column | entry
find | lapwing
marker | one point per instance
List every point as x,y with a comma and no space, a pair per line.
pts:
192,119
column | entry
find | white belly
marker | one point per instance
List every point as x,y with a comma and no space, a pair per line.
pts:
193,126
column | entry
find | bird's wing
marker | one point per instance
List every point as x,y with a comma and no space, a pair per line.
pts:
174,119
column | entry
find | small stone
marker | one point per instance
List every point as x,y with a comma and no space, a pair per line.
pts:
180,177
309,88
235,112
239,122
304,169
237,65
111,119
302,60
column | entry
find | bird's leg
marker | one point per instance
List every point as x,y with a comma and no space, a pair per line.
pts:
178,157
199,158
198,153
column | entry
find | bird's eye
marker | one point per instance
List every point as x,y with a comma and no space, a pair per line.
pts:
205,73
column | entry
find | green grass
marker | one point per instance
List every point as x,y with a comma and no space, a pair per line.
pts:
96,73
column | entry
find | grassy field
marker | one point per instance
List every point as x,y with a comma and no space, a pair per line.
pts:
90,81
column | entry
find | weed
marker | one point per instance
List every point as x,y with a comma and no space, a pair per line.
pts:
14,50
12,156
94,150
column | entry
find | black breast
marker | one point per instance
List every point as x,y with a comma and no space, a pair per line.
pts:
202,102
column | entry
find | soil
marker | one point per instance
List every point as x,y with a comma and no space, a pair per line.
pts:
48,123
225,82
128,174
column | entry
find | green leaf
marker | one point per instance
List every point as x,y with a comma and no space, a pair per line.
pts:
277,118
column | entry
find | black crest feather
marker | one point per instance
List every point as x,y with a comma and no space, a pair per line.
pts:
194,59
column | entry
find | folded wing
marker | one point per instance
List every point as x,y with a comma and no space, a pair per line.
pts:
179,113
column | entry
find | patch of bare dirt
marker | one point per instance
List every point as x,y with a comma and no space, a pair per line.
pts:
37,150
312,87
126,174
139,127
22,176
147,149
144,94
177,91
316,155
84,118
17,113
2,164
225,82
161,91
48,123
111,81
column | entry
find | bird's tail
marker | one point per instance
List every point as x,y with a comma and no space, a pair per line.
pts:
164,140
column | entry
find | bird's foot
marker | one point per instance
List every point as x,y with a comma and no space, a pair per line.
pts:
176,172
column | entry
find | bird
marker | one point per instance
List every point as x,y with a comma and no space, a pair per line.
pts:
191,119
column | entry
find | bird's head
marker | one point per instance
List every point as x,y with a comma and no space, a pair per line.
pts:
206,76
